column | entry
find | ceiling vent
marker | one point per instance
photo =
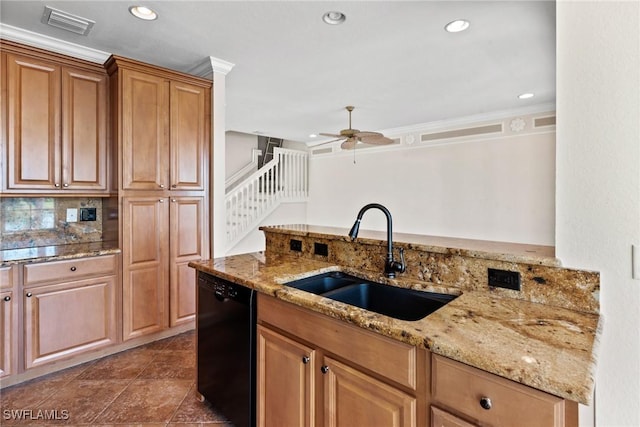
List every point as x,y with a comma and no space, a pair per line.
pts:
66,21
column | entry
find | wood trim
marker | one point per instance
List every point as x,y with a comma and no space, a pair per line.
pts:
47,55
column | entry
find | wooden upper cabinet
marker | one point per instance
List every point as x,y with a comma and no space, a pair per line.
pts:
33,134
145,131
84,130
56,126
188,136
163,123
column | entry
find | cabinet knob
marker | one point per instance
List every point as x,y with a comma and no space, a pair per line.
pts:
173,200
65,185
174,186
29,294
7,298
161,185
324,369
305,359
73,268
161,200
485,402
56,185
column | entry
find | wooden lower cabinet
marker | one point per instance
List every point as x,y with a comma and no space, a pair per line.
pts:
145,265
8,327
353,398
65,319
161,235
286,381
307,376
440,418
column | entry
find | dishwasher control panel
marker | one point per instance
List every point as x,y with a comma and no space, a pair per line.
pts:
222,288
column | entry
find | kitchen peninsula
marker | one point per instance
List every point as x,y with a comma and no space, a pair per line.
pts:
544,336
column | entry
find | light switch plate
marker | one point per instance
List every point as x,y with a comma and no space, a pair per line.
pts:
72,215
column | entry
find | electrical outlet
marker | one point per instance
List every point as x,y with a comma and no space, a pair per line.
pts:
295,245
504,279
87,214
320,249
72,215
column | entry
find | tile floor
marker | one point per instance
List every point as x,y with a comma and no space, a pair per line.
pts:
152,385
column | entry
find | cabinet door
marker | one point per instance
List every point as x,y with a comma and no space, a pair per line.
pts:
8,328
187,243
145,131
285,395
84,130
188,136
352,398
33,134
145,242
67,319
441,418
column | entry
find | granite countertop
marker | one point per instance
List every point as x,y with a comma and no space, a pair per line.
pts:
58,252
545,347
485,249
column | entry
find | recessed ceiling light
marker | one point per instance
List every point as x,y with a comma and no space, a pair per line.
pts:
457,26
143,12
313,135
334,17
525,96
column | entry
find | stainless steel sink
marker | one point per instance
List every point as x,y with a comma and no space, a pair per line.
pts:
399,303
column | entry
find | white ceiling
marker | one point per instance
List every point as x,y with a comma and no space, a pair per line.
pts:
294,74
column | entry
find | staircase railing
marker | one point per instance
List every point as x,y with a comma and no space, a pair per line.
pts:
284,178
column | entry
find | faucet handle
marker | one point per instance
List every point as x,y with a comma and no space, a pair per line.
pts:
400,267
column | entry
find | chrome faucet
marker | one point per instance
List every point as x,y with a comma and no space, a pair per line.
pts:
391,266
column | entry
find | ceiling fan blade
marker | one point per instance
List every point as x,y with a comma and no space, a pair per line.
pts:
327,142
367,133
334,135
376,140
349,144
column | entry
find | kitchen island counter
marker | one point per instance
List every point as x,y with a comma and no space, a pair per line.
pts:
549,348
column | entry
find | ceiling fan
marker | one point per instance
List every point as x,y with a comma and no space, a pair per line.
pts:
352,136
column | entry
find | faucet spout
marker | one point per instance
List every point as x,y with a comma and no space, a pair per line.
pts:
391,266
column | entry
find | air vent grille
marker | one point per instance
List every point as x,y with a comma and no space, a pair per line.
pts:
544,121
480,130
66,21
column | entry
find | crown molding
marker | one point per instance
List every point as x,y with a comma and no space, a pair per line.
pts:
30,38
211,65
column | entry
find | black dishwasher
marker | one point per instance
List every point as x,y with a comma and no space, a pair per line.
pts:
226,329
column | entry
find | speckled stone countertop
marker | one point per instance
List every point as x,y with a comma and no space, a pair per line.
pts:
57,252
549,348
501,251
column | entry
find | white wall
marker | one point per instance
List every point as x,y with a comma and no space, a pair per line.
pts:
598,182
238,151
494,189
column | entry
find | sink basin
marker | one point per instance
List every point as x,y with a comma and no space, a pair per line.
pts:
399,303
325,282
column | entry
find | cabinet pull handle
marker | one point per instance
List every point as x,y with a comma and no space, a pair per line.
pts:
7,298
485,402
305,359
29,294
324,369
73,268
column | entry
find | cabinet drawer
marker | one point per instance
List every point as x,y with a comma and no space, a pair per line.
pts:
441,418
460,388
392,359
6,278
58,271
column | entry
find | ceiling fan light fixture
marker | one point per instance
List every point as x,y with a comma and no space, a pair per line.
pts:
334,17
457,26
143,12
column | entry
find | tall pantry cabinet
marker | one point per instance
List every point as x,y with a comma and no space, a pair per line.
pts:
161,122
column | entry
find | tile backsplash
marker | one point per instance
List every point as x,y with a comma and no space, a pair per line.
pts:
27,222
